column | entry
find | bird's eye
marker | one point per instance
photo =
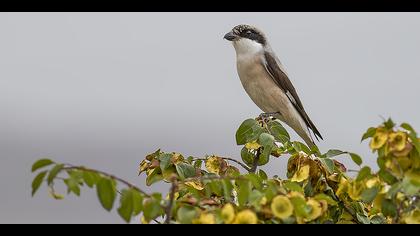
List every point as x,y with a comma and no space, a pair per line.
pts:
248,32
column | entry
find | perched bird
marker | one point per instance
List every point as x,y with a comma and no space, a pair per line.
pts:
266,81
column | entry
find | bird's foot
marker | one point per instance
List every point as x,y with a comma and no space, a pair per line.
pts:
268,115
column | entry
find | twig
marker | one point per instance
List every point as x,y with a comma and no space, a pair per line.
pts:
227,159
255,164
168,209
128,184
215,177
237,162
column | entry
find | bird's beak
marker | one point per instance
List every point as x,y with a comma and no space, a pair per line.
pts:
230,36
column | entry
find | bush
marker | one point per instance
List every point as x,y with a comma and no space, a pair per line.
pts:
216,189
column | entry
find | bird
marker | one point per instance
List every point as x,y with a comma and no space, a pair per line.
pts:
265,80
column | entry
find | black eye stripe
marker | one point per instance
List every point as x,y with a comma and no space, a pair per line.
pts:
246,31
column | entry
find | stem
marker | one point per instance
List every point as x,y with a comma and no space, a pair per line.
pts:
227,159
201,178
255,164
128,184
168,209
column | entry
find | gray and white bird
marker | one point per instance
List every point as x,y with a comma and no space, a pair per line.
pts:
266,81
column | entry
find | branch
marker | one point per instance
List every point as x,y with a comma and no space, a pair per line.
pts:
128,184
168,208
255,164
228,159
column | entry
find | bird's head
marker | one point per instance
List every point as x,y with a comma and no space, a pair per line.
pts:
246,39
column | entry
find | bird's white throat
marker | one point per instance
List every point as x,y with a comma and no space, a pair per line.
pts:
246,47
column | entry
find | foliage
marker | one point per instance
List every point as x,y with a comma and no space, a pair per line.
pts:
213,189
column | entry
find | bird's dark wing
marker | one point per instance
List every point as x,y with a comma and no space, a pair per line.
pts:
283,81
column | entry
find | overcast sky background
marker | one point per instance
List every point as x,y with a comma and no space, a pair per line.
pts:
104,89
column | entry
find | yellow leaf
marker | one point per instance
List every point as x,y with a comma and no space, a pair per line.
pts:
397,141
355,190
228,213
254,145
216,165
143,166
205,218
281,207
176,158
372,182
316,209
302,174
413,217
144,221
246,217
195,184
379,139
342,186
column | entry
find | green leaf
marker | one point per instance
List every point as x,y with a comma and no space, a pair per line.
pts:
415,141
411,184
248,131
36,183
356,158
293,186
389,208
381,162
389,124
126,205
255,199
408,127
363,173
54,172
267,141
392,192
247,157
185,171
255,180
154,177
186,214
369,194
333,153
300,206
377,220
244,190
278,131
262,174
106,193
137,202
72,186
369,133
329,164
216,187
41,163
362,219
198,164
152,208
412,135
300,147
387,177
322,196
165,161
227,189
90,179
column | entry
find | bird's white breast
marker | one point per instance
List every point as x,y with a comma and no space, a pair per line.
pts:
246,48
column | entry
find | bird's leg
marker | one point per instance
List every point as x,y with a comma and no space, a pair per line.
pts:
264,118
268,115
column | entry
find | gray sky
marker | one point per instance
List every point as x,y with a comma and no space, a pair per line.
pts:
104,89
